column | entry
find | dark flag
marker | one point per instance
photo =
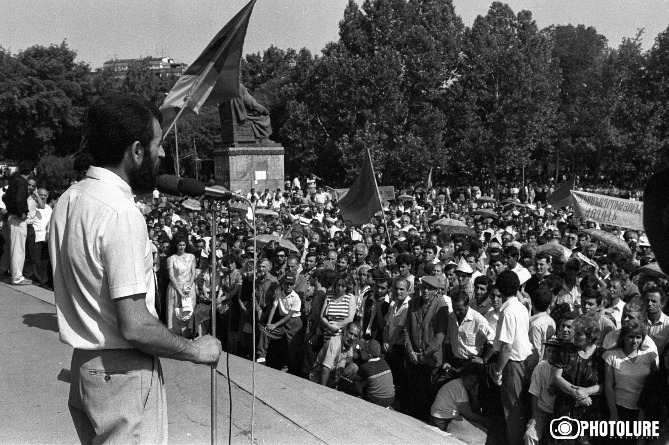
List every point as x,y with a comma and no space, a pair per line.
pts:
561,197
362,201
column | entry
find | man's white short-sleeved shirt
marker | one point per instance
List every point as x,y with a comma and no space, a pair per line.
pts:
513,328
100,251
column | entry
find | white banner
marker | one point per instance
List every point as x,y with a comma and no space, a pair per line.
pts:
609,210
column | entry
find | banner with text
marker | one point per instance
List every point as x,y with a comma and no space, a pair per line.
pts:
609,210
387,193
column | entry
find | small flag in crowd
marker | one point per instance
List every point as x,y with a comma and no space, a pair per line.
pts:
362,201
428,181
561,197
214,76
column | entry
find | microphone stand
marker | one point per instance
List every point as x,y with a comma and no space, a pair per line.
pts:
213,282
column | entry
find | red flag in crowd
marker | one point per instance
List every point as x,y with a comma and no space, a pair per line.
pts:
561,197
362,201
214,76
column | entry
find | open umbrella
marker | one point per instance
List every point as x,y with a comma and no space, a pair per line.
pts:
652,269
485,212
555,249
263,240
166,205
192,204
610,240
266,212
454,227
486,199
405,198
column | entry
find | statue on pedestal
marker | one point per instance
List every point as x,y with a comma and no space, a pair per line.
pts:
244,120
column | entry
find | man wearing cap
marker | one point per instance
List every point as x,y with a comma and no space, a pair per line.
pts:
464,272
424,331
284,321
266,287
513,346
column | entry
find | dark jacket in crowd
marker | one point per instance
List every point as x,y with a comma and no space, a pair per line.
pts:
16,197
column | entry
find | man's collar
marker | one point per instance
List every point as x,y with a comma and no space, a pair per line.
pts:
103,174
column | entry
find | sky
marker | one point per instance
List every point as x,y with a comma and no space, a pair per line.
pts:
100,30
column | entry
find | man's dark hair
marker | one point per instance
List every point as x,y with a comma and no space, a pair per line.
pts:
461,296
113,123
543,256
542,297
508,283
404,258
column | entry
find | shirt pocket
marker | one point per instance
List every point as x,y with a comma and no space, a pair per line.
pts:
468,339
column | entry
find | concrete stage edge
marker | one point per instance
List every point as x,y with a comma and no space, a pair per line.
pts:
288,410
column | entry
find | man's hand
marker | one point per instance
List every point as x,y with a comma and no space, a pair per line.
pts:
209,350
413,358
478,360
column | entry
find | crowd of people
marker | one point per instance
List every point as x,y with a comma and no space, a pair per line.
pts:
488,333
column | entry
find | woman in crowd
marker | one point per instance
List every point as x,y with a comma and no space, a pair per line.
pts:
580,378
626,373
181,291
339,308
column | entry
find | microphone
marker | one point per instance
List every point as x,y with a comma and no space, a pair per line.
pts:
193,188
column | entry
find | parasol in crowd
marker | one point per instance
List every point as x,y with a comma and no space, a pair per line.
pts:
192,204
609,239
266,212
166,205
405,198
263,240
555,249
454,227
653,270
485,212
239,207
486,199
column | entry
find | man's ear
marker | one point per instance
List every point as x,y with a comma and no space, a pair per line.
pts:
137,152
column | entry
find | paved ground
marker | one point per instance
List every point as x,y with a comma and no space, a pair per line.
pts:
288,410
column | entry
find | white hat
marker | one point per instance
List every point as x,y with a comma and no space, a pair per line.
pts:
464,267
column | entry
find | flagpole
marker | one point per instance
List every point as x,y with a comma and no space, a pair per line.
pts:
378,195
176,145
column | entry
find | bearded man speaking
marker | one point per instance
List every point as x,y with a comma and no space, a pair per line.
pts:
104,284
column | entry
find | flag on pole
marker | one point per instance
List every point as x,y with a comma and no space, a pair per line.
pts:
214,76
561,197
362,201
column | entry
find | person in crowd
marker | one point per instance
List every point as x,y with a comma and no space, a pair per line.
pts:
284,322
615,288
42,272
542,391
580,377
337,355
633,311
655,299
375,377
16,202
424,331
393,335
339,307
542,326
181,293
457,401
321,280
513,346
468,338
629,289
626,373
591,305
266,286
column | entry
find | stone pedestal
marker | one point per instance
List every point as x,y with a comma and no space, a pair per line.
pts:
246,166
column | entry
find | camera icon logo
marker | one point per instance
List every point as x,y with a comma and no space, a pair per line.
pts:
565,428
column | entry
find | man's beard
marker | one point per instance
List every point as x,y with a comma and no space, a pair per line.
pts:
143,179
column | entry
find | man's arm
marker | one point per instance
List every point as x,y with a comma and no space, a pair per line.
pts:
146,333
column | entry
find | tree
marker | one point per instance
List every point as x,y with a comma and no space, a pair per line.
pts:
43,95
509,87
